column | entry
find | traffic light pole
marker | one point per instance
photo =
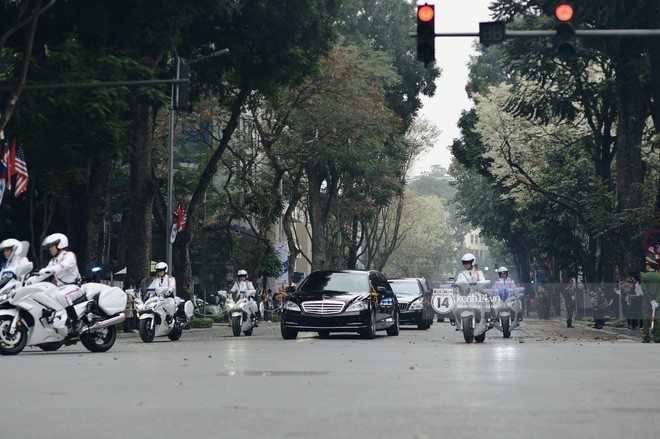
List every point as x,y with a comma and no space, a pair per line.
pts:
550,33
170,171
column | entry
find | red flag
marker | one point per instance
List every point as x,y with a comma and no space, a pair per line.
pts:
20,168
180,217
9,162
3,170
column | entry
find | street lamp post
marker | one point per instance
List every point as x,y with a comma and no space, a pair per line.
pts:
170,153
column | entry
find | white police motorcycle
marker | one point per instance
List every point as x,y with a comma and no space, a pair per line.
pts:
468,306
30,316
508,309
237,307
153,318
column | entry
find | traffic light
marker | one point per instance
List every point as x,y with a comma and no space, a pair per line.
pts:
566,48
492,32
426,33
182,88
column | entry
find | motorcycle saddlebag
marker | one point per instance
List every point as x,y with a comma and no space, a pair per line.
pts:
185,309
112,300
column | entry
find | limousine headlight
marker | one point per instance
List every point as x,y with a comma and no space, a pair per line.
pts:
358,306
291,306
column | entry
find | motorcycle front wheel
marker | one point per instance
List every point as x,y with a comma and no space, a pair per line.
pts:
175,333
147,333
506,327
236,326
12,344
101,340
468,330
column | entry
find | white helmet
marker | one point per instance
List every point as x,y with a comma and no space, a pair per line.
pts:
57,239
10,243
503,270
468,257
241,273
161,266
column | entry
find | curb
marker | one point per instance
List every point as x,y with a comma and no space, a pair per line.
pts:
609,330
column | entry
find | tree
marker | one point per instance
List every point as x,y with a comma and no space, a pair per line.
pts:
346,125
425,240
633,91
257,64
17,17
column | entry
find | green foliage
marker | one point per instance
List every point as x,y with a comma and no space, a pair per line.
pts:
201,322
271,266
384,25
219,318
537,167
275,317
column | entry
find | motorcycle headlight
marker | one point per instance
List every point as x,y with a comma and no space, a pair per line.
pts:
358,306
291,306
4,296
416,305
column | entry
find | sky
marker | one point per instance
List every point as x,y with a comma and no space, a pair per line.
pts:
452,55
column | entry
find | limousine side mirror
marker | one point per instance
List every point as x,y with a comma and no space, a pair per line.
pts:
290,290
381,290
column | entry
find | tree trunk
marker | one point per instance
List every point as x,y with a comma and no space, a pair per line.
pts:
288,223
654,49
143,188
93,212
182,245
632,113
317,220
353,244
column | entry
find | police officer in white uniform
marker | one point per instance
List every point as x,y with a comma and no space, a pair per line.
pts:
63,271
11,250
242,284
165,280
469,275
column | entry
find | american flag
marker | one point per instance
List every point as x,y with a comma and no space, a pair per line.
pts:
20,168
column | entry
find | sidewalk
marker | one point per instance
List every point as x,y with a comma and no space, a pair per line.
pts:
610,329
556,328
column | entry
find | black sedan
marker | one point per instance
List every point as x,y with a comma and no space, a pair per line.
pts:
341,301
414,302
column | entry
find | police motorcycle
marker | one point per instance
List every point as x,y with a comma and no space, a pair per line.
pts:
473,313
237,307
154,320
30,316
507,305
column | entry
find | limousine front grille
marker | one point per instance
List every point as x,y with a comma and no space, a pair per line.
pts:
323,307
403,306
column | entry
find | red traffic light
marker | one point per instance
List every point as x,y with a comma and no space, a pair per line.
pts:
564,12
425,13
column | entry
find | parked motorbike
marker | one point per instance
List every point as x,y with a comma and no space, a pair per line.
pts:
472,311
30,316
237,306
508,311
153,318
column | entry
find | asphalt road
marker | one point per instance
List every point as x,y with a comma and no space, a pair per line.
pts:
545,382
